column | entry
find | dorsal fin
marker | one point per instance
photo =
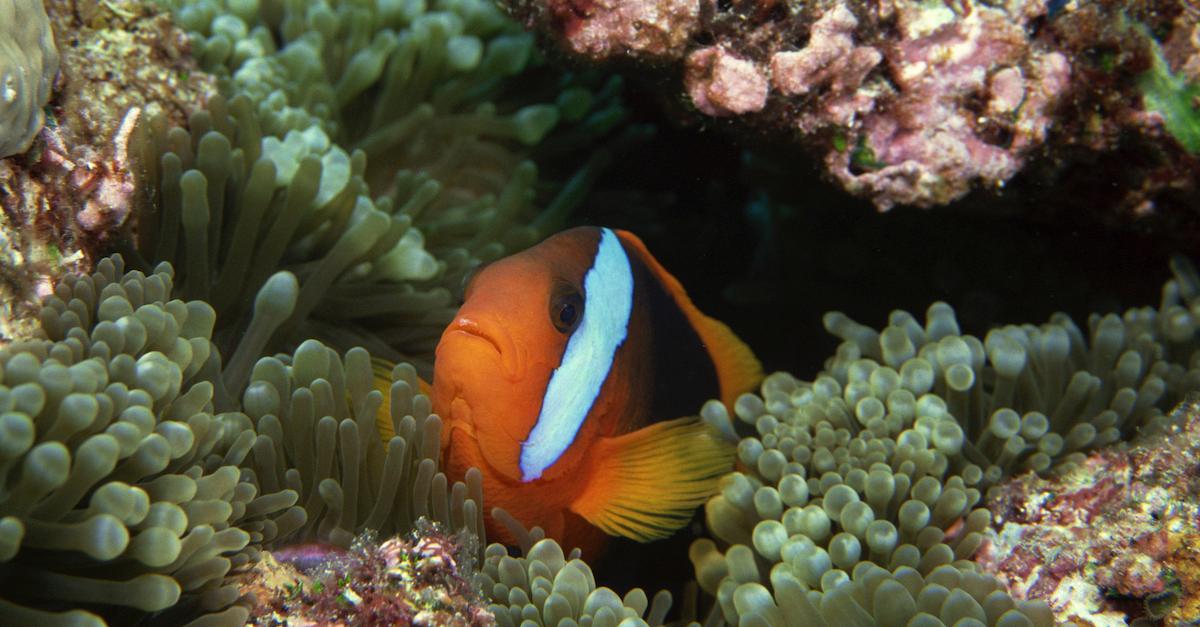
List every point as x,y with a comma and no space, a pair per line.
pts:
738,370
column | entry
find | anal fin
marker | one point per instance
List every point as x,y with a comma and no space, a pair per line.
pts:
647,484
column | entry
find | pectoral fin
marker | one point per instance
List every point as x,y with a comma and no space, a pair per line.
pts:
647,484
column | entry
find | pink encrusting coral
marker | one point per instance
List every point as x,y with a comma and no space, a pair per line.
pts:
971,100
913,103
1108,540
604,28
830,60
425,579
69,195
721,84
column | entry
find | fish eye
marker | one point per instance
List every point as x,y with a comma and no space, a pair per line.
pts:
566,309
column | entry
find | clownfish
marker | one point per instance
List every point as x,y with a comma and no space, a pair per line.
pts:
571,376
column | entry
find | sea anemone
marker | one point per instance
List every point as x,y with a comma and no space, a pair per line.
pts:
377,151
315,417
871,473
118,500
128,496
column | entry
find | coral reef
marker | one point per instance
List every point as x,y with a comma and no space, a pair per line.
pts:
63,199
929,145
1182,46
397,141
1117,119
424,579
1172,97
912,103
881,460
1106,539
605,28
432,578
121,61
28,63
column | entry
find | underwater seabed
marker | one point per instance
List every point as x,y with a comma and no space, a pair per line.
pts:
188,429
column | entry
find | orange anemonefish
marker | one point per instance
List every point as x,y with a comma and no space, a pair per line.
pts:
563,378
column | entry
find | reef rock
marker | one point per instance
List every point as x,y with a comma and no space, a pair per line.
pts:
1114,538
28,63
919,103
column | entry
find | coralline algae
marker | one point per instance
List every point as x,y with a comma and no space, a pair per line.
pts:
1115,536
907,103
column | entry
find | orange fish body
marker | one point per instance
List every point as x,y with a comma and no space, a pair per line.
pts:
563,377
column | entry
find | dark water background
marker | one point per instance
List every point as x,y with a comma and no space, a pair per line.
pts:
764,243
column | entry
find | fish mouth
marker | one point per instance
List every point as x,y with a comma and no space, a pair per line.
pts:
510,356
472,328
